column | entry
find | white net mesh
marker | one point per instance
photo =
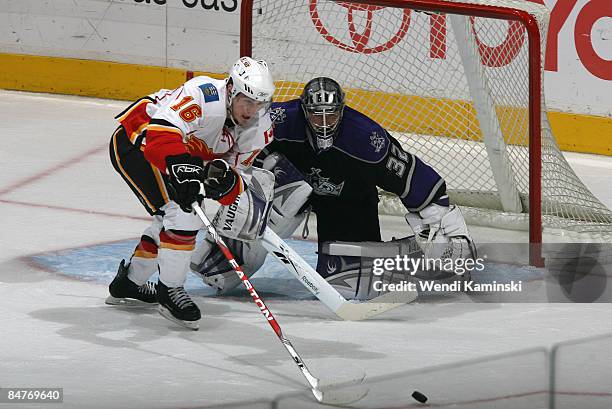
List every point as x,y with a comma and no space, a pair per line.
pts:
453,90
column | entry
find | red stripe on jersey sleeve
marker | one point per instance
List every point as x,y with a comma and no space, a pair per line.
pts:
160,145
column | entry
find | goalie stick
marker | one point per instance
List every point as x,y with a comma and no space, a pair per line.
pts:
328,295
321,391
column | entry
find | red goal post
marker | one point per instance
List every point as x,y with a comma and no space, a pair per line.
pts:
535,83
474,114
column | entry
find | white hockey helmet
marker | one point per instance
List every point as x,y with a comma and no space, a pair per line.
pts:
251,78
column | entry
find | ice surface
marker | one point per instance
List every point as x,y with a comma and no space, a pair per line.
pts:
60,195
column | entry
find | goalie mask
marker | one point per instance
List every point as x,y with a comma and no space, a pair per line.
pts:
252,79
323,104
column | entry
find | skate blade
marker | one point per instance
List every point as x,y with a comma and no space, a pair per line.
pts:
194,325
127,302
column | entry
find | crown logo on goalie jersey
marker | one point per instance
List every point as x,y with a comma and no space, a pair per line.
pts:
278,115
377,141
321,185
361,42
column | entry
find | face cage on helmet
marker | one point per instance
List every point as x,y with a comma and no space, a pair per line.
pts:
324,134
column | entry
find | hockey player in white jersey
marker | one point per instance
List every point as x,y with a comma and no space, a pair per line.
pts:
206,131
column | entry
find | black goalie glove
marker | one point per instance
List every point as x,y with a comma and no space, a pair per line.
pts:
186,173
219,179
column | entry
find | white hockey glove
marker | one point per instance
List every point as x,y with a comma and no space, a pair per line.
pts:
442,234
211,265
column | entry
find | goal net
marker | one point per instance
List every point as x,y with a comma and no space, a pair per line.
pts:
458,83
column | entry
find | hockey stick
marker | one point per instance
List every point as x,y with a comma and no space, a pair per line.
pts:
328,295
323,396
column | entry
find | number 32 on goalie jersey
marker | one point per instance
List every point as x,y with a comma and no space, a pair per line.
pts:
398,160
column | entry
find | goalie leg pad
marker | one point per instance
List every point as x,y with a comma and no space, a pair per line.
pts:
211,265
286,212
247,216
348,266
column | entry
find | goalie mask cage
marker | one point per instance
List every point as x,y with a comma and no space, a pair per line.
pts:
458,83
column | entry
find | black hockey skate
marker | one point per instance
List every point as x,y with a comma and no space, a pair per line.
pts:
176,305
125,292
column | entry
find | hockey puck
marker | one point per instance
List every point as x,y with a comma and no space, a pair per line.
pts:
419,396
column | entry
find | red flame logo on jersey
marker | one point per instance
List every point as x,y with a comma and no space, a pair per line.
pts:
197,147
360,40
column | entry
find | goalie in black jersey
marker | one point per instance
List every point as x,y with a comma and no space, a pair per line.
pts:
331,158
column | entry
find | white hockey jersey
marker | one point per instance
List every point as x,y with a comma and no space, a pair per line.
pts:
192,118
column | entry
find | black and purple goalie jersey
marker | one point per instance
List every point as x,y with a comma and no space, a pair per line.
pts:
345,177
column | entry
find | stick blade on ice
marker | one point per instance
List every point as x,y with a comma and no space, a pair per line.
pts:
341,392
357,311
